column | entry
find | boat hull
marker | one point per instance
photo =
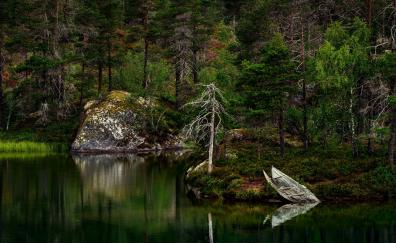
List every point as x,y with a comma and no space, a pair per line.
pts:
290,189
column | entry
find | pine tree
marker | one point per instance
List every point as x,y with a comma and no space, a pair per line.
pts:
269,83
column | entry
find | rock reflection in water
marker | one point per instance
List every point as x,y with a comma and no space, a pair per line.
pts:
130,185
108,174
287,212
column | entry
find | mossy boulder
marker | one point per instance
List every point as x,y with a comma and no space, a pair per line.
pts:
121,123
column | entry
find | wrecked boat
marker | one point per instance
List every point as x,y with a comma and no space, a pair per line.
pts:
290,189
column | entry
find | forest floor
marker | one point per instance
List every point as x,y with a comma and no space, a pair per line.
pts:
331,172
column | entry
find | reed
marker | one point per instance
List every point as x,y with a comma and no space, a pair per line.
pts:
30,147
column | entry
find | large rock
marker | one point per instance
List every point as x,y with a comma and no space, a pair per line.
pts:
119,123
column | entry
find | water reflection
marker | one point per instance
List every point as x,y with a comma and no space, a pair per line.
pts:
141,199
108,174
287,212
210,224
115,183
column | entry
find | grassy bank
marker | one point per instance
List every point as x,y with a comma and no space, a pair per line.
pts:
31,147
53,138
330,172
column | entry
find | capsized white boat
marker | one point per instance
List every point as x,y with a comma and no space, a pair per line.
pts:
289,188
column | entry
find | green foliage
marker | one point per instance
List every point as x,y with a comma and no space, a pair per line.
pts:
386,65
392,101
331,191
130,76
268,83
252,27
36,64
344,57
381,180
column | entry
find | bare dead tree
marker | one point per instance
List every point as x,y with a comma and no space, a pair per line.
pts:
209,119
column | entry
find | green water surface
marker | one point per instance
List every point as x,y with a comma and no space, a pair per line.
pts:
118,198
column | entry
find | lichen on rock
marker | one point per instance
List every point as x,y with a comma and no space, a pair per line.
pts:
120,123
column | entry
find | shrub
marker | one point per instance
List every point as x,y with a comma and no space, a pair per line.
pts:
248,195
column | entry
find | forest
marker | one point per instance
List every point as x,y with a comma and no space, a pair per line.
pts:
317,78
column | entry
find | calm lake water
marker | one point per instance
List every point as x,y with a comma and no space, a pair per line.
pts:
134,199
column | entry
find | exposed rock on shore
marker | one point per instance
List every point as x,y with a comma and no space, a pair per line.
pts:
120,123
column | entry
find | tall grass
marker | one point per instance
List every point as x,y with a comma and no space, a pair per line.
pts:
30,147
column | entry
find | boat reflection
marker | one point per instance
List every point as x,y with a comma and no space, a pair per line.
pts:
287,212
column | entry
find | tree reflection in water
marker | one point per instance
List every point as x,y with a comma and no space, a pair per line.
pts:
141,199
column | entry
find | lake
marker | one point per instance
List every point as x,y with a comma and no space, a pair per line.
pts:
132,198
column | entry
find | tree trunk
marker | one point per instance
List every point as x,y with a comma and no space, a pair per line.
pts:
392,138
281,132
146,46
195,66
177,85
369,9
82,83
211,140
359,104
370,149
2,113
352,124
391,145
100,77
145,71
304,93
369,145
305,119
109,64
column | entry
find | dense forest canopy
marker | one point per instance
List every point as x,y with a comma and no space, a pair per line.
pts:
323,71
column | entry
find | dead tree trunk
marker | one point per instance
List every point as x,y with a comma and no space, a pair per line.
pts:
211,140
209,120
